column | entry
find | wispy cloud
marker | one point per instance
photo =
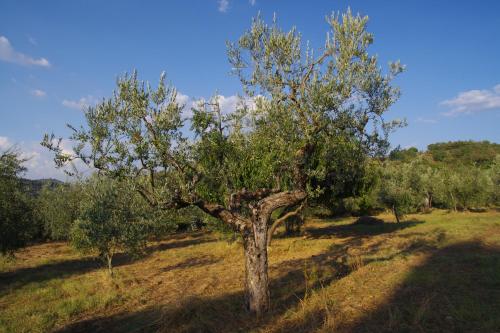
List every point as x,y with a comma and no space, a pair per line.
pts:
38,93
9,54
223,5
473,101
81,103
32,41
252,2
426,120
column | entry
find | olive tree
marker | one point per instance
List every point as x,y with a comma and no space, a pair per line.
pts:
109,221
396,191
275,150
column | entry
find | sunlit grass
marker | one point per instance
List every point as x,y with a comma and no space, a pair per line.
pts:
432,272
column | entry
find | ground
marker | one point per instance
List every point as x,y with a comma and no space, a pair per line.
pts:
436,272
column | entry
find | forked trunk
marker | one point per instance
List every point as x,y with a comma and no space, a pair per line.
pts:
109,260
257,296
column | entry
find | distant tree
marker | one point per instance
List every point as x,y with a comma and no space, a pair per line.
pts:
494,174
278,149
468,153
15,208
395,191
472,187
58,207
404,155
110,220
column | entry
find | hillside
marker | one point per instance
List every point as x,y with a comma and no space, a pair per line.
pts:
34,186
436,272
481,153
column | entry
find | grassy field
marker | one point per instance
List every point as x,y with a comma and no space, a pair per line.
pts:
436,272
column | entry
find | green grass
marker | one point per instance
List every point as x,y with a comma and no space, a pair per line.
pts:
436,272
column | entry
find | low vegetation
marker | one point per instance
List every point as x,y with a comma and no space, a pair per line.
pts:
435,272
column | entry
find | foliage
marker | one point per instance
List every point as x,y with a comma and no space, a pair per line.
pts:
110,220
58,208
16,226
396,192
404,155
468,153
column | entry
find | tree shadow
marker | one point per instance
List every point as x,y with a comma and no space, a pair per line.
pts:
291,282
65,268
178,244
59,269
193,262
457,289
222,314
358,230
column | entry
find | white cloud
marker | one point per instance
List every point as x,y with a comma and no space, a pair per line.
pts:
8,54
5,143
228,104
223,5
80,104
40,161
426,120
252,2
473,101
38,93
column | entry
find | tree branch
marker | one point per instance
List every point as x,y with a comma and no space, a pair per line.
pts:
266,206
220,212
244,195
282,219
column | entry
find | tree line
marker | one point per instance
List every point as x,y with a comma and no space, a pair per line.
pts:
409,181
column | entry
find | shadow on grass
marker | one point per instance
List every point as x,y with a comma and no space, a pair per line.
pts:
193,262
457,289
358,230
64,268
292,281
223,314
179,244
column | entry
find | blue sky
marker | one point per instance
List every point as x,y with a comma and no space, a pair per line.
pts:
56,56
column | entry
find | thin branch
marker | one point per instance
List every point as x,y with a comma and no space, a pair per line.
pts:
282,219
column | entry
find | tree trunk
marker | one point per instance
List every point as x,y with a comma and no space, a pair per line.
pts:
254,234
257,296
394,210
109,259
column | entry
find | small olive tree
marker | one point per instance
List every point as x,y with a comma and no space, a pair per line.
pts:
396,191
109,221
278,148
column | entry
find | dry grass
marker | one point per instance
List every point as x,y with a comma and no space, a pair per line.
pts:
436,272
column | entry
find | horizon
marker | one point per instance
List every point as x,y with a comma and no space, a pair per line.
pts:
58,57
